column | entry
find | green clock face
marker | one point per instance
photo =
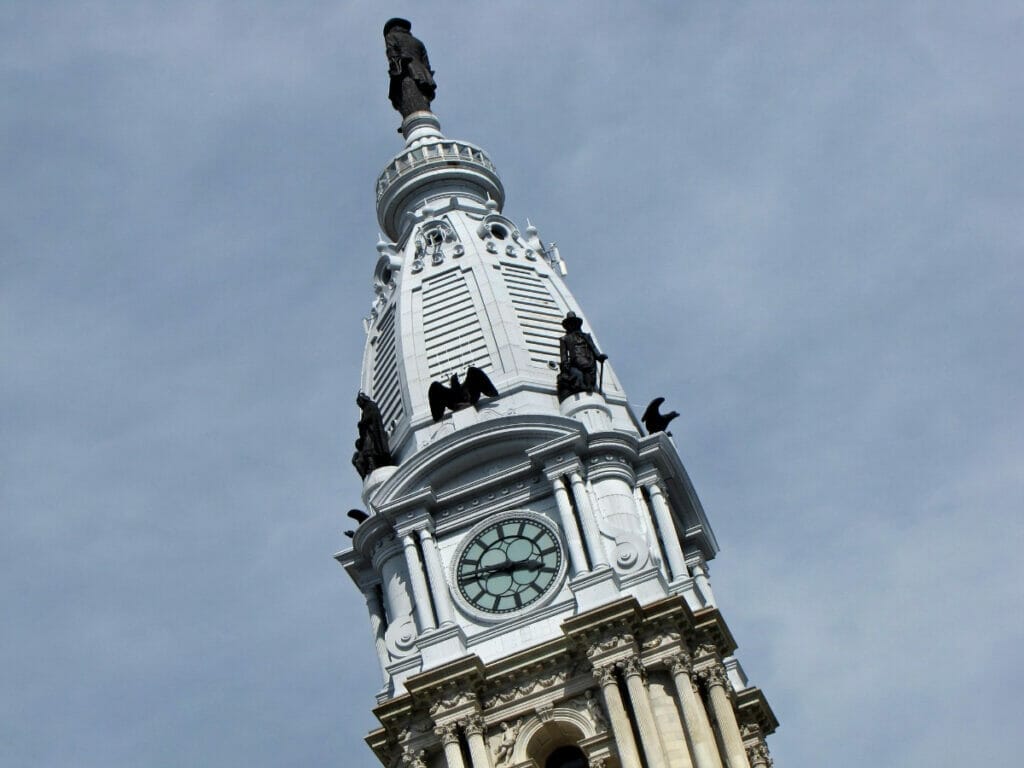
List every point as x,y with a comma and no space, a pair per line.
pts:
509,565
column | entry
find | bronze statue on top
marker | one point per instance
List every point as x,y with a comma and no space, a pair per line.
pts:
412,79
372,450
580,358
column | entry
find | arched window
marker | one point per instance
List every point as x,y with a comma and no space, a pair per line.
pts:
566,757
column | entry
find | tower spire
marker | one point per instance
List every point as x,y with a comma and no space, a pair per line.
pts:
533,562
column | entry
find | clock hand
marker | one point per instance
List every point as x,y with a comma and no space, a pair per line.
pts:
508,566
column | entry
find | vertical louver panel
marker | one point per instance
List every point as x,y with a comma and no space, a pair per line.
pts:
452,334
540,316
387,391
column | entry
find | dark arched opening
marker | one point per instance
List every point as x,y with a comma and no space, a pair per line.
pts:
566,757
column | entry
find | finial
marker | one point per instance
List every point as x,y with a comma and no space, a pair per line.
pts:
492,204
531,231
412,79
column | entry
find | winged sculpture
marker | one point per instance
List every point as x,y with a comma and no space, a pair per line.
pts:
458,395
654,419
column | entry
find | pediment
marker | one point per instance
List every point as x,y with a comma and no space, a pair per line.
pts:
471,455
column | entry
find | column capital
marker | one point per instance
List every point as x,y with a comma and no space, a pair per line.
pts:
566,465
715,675
604,673
632,667
448,733
759,756
413,521
413,758
473,725
680,663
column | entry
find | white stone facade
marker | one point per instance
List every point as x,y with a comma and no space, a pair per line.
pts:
608,641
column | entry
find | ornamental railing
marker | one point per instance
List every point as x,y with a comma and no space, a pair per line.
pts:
435,153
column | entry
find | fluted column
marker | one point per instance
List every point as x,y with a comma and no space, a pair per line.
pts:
667,528
577,557
638,697
479,757
435,573
420,593
449,735
593,534
621,728
702,741
729,730
377,624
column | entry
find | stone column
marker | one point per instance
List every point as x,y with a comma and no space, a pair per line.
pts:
639,698
702,741
700,575
435,573
577,557
667,528
721,706
377,624
595,546
479,757
420,593
621,728
449,735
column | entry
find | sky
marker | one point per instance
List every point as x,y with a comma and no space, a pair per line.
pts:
801,223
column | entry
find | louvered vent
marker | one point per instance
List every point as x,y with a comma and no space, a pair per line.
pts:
451,328
386,389
540,316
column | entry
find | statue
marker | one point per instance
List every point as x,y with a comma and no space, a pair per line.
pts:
580,358
372,449
655,420
458,395
507,745
412,79
596,713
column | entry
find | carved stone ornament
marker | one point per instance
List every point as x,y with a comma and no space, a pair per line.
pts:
662,638
632,667
759,757
507,743
610,644
596,712
450,701
605,674
680,663
545,713
447,733
536,681
413,758
706,649
715,675
472,725
597,762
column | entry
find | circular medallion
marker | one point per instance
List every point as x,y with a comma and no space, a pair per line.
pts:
509,564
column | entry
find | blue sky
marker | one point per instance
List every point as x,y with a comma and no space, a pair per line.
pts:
800,222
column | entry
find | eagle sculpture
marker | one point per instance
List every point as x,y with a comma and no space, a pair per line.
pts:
456,395
654,420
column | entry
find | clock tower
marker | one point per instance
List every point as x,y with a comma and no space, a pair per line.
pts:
533,558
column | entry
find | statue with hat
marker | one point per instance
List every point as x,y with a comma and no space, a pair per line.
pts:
580,359
412,79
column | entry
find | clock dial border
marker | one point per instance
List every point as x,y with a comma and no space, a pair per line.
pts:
552,588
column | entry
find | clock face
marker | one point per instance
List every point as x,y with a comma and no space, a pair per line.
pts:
509,564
